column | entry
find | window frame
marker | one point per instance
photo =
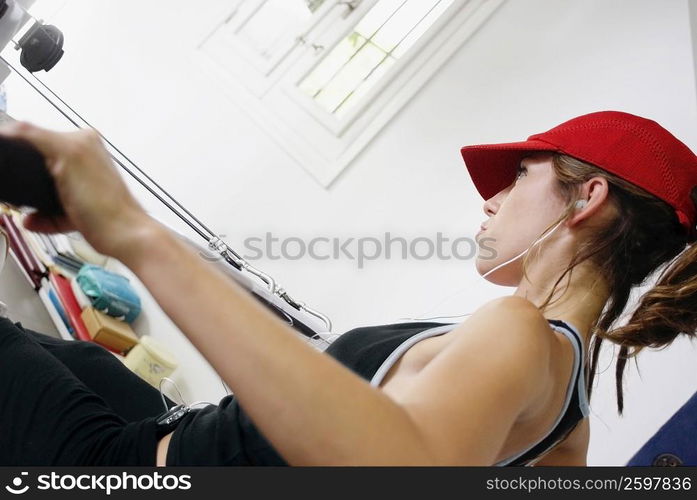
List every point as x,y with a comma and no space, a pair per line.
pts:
304,67
242,14
310,135
238,58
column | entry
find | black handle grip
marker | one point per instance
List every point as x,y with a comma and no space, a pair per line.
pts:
24,180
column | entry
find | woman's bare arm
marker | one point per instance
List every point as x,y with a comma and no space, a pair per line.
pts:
310,407
314,410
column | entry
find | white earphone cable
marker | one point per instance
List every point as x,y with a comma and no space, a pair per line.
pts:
579,204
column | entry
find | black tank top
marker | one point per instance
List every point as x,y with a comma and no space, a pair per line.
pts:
224,434
370,351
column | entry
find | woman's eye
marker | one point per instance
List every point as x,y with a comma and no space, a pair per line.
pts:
520,170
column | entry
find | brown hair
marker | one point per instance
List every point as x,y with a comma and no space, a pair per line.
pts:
644,236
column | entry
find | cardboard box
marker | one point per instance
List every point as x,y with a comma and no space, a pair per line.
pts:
109,331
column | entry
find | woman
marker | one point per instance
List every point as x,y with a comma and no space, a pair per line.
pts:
608,195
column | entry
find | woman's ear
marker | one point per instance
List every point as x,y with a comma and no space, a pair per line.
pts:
593,192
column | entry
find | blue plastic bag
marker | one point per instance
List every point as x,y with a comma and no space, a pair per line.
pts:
109,292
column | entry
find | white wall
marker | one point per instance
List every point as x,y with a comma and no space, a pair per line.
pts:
693,29
535,64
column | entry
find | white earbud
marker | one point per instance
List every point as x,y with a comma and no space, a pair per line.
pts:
580,204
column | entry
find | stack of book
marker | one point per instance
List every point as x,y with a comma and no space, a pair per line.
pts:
50,265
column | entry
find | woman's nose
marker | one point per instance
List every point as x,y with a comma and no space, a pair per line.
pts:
490,207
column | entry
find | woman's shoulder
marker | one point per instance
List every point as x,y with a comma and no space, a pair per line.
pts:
515,316
535,328
513,327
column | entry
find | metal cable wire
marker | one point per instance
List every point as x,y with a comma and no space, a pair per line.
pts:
214,241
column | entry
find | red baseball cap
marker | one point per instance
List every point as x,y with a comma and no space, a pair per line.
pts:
636,149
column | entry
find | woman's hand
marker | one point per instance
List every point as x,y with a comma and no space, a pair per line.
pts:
95,199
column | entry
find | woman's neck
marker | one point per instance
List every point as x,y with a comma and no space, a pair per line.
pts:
580,304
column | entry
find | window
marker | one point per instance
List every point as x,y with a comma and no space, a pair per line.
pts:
365,56
322,77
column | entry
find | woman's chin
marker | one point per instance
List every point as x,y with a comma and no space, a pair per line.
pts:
501,277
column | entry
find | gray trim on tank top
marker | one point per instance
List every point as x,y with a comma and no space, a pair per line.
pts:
403,347
439,330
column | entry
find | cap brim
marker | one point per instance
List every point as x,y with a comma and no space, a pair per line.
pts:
492,167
